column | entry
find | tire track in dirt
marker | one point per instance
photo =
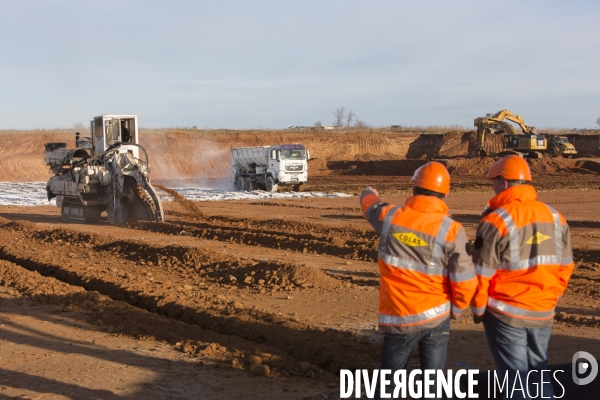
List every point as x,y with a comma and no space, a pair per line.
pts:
170,290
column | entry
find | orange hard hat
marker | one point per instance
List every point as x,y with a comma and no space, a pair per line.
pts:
432,176
511,168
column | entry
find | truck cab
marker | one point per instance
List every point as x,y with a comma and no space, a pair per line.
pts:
288,164
267,167
109,130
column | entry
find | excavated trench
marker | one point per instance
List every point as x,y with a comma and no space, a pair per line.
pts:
188,285
121,319
348,243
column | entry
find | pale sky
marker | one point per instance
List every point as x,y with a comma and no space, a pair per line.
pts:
273,64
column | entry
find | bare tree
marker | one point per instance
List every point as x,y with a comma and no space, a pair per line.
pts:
598,121
318,125
340,115
359,123
349,118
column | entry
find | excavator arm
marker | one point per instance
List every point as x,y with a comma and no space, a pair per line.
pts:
497,123
500,116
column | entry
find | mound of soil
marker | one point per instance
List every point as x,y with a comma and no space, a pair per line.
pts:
194,154
31,283
553,165
203,266
475,167
300,276
376,167
456,144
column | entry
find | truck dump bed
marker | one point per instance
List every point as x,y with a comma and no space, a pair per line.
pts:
244,156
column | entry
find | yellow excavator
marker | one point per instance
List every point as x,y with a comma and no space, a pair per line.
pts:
528,143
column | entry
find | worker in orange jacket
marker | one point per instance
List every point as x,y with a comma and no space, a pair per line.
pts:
426,273
523,257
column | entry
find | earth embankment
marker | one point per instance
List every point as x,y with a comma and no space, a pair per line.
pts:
194,154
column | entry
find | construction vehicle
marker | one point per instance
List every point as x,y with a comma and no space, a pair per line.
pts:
104,172
527,143
560,146
267,167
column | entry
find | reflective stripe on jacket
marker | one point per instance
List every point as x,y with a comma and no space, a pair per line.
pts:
523,259
425,270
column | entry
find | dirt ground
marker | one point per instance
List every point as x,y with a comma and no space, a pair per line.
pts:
188,308
264,299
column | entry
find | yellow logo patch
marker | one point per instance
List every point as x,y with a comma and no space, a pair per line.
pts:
537,238
410,239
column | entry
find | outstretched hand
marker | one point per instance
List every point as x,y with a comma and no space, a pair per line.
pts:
373,190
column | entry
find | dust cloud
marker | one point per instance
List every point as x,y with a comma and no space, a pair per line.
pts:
188,156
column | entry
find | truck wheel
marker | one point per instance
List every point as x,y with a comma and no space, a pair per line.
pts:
249,185
270,184
241,183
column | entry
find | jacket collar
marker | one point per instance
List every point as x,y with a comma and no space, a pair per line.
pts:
427,204
515,193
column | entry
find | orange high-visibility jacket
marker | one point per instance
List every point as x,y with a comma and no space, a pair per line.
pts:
425,270
523,258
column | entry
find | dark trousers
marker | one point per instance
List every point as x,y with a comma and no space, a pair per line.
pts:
520,350
433,347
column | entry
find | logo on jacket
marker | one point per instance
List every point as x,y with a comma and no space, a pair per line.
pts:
537,238
410,239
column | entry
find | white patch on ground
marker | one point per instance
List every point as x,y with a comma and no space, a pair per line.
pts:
24,194
34,194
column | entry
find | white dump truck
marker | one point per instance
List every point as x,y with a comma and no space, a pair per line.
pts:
266,167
